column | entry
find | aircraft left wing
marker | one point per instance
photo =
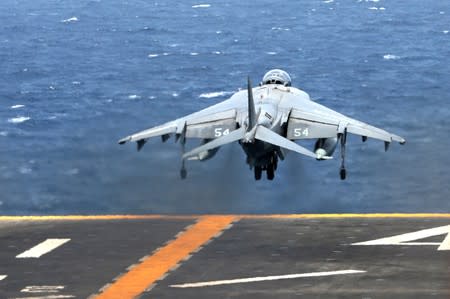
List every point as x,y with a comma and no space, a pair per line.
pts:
317,121
205,124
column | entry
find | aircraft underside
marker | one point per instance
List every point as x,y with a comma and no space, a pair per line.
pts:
262,156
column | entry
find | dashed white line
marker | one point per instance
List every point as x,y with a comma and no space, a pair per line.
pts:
42,289
256,279
42,248
3,277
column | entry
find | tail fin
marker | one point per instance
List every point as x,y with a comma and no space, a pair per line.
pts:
251,106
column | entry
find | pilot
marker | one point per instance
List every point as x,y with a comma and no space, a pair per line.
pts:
276,76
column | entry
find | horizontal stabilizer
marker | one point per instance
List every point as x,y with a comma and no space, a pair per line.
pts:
233,136
269,136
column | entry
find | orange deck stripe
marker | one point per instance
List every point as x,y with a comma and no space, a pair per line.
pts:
139,278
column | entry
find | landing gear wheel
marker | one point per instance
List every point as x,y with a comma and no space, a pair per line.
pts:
275,163
343,173
258,173
270,172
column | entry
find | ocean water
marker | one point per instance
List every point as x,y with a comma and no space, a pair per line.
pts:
75,76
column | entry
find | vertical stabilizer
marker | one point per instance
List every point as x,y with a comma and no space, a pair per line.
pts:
251,106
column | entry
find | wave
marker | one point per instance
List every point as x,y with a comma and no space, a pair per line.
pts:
25,170
18,119
216,94
3,133
390,57
70,20
17,106
201,6
153,55
134,97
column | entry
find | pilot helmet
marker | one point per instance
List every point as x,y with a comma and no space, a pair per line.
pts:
277,76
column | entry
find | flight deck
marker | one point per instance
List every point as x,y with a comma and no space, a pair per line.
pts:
226,256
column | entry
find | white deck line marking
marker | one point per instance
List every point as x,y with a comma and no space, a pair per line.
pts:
42,289
3,277
404,239
256,279
42,248
445,245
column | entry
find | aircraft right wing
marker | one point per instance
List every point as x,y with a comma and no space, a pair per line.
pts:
210,123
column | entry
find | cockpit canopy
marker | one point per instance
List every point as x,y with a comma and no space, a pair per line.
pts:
277,77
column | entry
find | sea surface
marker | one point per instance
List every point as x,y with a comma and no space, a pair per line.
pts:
76,76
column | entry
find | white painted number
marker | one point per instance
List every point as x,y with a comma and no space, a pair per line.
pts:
301,132
220,131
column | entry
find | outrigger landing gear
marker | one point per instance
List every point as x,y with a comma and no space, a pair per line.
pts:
343,139
183,172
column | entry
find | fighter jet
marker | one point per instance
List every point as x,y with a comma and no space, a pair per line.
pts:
265,121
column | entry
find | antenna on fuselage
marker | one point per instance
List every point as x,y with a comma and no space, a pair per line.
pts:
251,106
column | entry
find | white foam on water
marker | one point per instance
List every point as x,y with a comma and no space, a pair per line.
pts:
134,97
25,170
218,32
373,8
271,53
18,119
165,54
445,31
73,171
175,94
70,20
328,1
382,8
76,82
215,94
3,133
373,1
201,5
280,29
217,52
193,53
153,55
17,106
390,57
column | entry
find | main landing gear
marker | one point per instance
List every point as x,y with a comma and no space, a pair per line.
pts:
269,168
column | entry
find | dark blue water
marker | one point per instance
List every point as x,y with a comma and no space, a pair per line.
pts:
90,72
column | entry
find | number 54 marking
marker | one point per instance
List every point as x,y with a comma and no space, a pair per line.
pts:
301,132
220,132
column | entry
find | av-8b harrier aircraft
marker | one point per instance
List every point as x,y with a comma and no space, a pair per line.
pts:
265,120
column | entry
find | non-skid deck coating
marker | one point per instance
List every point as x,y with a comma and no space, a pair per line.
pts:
230,256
